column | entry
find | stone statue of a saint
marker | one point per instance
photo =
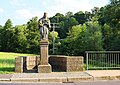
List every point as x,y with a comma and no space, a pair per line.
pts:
44,26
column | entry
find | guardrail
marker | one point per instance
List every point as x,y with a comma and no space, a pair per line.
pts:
102,59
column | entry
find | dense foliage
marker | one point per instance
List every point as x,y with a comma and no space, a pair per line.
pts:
77,33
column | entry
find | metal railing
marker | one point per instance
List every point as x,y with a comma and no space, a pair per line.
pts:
102,59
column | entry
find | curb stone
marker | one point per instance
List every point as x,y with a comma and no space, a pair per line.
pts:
80,79
6,77
24,79
60,80
106,78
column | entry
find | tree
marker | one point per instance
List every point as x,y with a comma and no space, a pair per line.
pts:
19,43
69,23
80,17
95,10
53,35
96,30
110,14
69,14
1,28
114,45
32,35
88,16
62,31
115,1
6,37
107,36
83,38
57,18
109,17
69,46
60,19
93,36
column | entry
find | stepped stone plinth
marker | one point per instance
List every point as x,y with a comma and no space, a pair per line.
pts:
44,66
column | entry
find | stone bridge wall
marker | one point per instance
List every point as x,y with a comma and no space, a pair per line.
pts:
58,63
23,63
67,63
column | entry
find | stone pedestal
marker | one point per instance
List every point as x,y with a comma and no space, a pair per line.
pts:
44,67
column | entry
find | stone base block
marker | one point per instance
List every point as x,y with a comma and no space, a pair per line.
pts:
67,63
44,68
19,64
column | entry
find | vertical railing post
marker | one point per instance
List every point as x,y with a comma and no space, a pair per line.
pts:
87,60
118,64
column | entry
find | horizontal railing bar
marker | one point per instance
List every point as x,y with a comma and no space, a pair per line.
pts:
104,67
102,51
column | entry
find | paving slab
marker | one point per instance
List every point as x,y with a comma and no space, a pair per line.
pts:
105,74
51,77
78,77
66,77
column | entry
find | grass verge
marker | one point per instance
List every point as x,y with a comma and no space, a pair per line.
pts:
7,61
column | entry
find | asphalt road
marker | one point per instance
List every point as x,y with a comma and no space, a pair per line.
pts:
82,83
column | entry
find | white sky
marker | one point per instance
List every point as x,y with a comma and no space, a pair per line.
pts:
20,11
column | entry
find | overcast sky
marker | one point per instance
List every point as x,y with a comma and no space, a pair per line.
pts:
20,11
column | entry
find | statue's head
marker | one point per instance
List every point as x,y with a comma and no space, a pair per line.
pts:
45,15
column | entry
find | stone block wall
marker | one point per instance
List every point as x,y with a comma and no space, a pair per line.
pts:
67,63
23,63
32,62
19,64
75,64
59,63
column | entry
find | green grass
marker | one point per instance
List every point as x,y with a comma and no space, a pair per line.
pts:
7,61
